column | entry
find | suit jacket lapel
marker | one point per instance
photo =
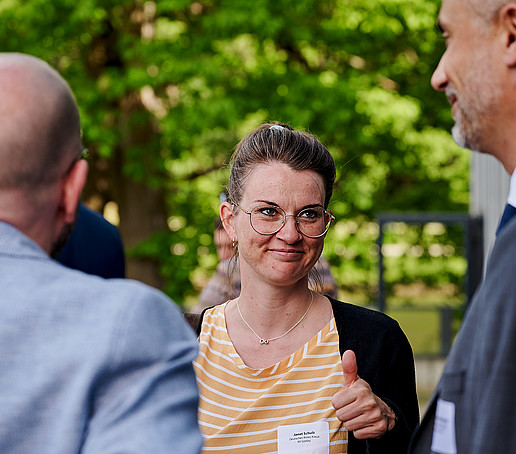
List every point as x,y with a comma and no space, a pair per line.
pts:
508,213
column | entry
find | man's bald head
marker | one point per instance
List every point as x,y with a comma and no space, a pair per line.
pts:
39,123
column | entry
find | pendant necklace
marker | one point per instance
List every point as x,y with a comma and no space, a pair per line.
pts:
266,341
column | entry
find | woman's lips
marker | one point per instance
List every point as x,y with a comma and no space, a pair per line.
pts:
287,253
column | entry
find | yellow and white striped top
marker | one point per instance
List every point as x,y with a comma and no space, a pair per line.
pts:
241,408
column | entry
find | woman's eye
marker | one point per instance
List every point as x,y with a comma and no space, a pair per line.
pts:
268,211
309,214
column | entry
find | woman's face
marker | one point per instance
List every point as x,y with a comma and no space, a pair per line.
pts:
287,256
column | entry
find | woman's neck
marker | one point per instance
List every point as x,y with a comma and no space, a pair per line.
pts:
273,308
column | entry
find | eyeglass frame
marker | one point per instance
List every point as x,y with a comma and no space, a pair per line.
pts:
332,218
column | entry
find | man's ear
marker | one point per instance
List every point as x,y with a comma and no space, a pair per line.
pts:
507,18
227,218
72,188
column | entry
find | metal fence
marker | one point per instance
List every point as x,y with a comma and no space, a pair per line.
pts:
431,328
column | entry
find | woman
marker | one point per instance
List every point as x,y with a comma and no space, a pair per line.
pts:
269,371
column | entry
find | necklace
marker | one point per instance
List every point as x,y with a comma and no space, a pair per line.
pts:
266,341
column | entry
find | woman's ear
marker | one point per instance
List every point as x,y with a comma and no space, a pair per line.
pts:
227,219
508,24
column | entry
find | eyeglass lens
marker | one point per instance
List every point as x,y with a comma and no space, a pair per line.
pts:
310,221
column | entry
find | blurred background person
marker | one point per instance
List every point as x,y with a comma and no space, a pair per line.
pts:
225,282
94,246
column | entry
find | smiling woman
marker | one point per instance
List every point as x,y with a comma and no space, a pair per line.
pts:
281,252
270,372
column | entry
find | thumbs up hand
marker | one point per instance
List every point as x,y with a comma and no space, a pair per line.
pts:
361,411
350,368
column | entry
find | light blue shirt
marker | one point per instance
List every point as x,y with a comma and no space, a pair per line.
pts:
89,365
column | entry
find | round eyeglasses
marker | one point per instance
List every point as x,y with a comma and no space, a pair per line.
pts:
269,219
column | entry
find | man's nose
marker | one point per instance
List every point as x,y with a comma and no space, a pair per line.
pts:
439,78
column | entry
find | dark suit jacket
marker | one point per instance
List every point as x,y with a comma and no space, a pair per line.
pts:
480,373
94,246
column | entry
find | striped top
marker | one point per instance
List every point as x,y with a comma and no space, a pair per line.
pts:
241,409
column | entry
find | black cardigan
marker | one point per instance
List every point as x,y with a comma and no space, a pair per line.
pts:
385,361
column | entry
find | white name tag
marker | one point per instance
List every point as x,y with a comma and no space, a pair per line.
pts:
311,438
443,439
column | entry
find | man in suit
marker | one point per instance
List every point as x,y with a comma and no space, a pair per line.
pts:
87,365
472,409
94,246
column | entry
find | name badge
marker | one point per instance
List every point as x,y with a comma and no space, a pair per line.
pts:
443,439
313,438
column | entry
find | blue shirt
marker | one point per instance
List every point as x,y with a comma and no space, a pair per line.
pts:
90,365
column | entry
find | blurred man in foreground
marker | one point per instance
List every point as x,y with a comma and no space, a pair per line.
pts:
87,365
472,410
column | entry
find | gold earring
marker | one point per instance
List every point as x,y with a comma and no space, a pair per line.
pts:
234,243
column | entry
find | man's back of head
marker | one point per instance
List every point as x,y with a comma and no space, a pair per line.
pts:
88,364
40,125
40,145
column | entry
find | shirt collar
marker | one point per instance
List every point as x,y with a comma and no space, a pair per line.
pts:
512,190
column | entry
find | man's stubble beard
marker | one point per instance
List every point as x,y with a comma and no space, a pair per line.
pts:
475,106
64,235
61,239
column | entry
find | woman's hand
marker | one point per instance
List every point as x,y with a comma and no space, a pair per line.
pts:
361,411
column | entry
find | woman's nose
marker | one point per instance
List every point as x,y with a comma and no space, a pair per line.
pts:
289,231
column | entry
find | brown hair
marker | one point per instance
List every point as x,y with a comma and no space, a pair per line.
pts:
278,142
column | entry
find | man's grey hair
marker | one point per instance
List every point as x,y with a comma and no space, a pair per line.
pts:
487,10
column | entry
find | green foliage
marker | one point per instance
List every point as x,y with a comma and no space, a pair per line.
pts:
424,264
167,89
422,328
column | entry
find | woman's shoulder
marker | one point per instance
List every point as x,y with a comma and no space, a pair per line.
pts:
363,328
352,313
375,338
